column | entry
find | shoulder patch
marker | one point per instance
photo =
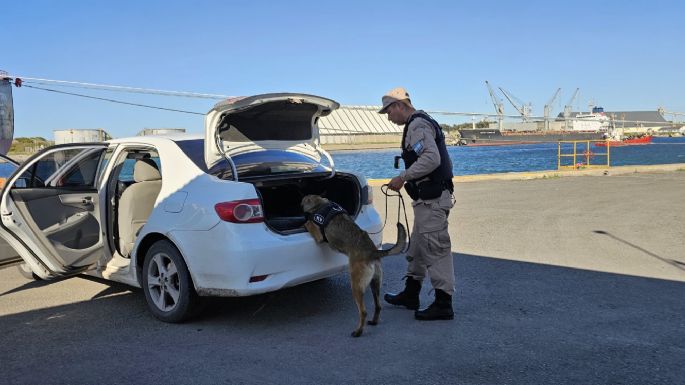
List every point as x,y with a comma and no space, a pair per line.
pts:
418,147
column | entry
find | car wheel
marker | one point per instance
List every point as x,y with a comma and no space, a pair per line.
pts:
27,273
167,284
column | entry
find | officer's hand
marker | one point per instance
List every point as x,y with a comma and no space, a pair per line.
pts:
396,183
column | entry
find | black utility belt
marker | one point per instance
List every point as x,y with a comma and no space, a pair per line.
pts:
427,189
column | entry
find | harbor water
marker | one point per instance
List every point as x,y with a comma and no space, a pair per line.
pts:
467,160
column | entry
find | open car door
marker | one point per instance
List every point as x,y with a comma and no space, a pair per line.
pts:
8,256
50,210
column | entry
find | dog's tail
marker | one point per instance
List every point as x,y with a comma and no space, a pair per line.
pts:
399,245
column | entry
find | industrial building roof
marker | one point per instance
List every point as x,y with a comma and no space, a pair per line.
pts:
357,120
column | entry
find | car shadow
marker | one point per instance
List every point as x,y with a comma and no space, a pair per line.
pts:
556,322
31,284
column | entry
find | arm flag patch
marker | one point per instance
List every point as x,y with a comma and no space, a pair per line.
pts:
418,147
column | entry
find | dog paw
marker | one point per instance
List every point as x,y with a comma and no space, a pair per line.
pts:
356,333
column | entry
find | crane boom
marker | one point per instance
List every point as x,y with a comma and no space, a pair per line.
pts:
499,107
569,104
497,103
553,98
523,109
548,107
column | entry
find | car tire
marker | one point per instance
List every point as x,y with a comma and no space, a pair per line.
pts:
27,273
167,284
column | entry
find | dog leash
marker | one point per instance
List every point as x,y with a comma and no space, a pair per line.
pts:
400,204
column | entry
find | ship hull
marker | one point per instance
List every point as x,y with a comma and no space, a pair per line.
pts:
494,137
626,142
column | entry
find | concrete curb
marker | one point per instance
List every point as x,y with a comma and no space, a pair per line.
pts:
607,171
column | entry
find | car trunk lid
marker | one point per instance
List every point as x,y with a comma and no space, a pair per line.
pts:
282,121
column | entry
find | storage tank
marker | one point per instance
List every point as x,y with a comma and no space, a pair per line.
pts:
81,136
161,131
6,113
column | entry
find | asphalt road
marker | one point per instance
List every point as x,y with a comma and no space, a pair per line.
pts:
559,281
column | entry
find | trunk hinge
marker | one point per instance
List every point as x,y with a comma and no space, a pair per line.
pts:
327,156
220,147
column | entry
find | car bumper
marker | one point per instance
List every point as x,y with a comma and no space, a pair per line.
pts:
233,260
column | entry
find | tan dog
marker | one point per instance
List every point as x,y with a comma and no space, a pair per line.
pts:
365,266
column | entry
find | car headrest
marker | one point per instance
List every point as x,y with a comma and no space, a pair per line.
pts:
146,170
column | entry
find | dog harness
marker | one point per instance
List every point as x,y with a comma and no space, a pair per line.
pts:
324,215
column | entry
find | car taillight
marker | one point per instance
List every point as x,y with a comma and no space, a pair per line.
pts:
244,211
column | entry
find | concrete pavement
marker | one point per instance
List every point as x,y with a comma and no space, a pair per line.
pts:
561,280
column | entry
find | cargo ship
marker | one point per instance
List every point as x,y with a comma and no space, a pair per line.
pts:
584,126
496,137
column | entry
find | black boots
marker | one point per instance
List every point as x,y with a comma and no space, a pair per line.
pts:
441,309
409,297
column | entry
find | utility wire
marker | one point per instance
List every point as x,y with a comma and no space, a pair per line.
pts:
114,100
75,84
139,90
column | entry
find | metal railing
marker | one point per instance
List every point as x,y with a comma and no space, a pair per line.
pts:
583,155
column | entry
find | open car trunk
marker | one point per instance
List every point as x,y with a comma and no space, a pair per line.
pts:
281,198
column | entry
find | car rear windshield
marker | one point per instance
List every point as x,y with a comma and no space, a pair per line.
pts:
257,163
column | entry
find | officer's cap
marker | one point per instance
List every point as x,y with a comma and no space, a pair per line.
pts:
392,96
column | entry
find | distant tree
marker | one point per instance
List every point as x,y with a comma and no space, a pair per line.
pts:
28,145
479,124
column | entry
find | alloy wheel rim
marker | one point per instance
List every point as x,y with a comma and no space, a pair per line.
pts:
163,282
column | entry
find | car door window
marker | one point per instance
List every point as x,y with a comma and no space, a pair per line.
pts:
104,161
126,174
48,171
82,174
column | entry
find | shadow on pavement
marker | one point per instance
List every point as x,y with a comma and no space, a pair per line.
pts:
515,322
671,262
30,284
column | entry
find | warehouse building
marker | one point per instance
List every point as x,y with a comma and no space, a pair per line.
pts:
358,125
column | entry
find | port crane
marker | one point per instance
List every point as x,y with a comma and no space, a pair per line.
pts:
497,103
663,111
569,106
522,108
548,108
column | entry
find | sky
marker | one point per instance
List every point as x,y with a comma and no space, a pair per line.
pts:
622,55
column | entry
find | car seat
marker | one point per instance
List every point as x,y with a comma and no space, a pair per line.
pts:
137,201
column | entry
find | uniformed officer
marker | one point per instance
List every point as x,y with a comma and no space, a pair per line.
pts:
427,178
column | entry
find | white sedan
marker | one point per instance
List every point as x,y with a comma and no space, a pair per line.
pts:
187,216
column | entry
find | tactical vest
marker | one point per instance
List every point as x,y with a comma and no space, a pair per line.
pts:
440,178
324,215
